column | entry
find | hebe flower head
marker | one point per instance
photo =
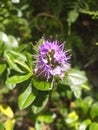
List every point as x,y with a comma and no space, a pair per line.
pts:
52,60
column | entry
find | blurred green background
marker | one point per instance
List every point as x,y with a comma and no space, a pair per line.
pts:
74,21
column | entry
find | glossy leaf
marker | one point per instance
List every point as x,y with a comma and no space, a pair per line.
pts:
40,102
11,61
76,77
42,85
23,66
9,41
13,42
38,125
4,38
76,90
18,79
27,96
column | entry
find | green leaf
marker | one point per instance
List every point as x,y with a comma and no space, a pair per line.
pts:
27,96
93,126
38,125
11,61
18,79
15,1
84,104
84,124
94,110
76,90
72,117
72,16
40,102
9,124
2,68
6,110
9,41
76,77
12,42
29,60
1,47
1,126
23,65
35,47
17,55
46,117
10,86
4,38
42,85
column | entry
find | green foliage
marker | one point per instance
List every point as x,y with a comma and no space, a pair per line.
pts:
18,79
93,126
40,102
2,68
70,103
1,126
94,110
27,96
41,85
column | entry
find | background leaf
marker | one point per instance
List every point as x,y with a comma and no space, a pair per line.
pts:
93,126
1,126
94,110
76,77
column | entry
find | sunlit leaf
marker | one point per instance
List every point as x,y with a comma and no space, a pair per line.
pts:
42,85
15,1
6,110
18,79
23,66
9,41
93,126
71,117
9,124
27,96
76,90
12,41
4,38
46,117
84,124
11,61
76,77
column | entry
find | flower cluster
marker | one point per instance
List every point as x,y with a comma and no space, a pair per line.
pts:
52,60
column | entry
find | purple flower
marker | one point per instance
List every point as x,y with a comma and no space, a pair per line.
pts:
52,60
